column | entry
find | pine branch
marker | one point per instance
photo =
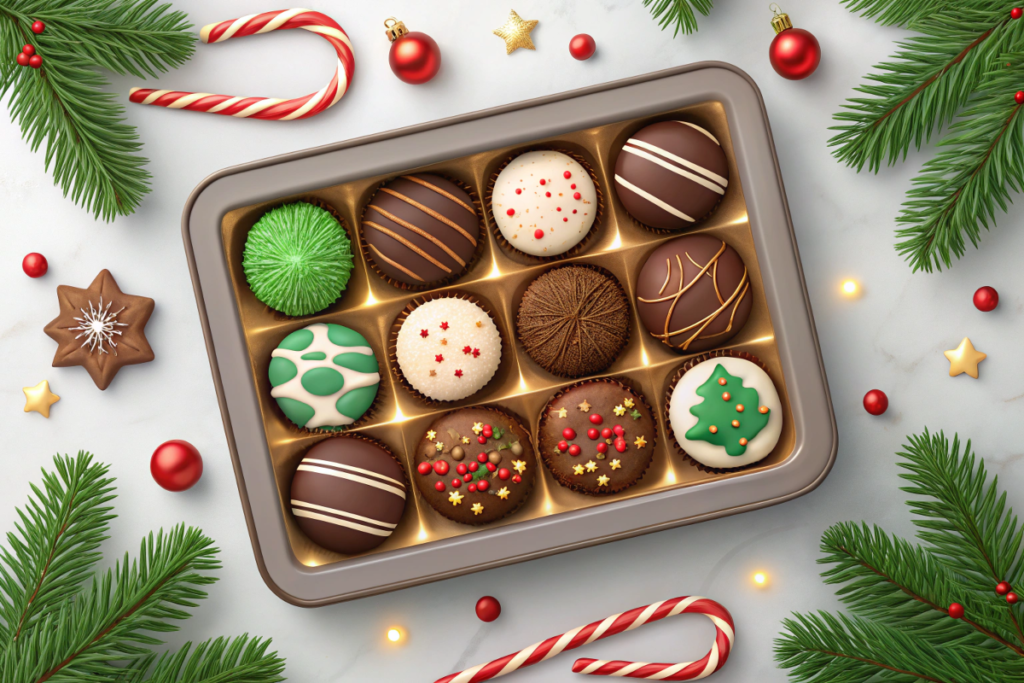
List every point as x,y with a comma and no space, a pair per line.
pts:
908,12
678,13
57,543
242,660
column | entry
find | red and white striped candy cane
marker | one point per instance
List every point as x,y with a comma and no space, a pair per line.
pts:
264,107
627,621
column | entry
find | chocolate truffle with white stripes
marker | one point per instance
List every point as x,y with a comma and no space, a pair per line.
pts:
348,494
671,175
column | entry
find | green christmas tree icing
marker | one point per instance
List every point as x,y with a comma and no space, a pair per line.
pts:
716,414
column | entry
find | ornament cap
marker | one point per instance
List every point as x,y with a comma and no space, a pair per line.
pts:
781,20
395,29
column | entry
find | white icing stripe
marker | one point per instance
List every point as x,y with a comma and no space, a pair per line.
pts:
601,628
311,102
332,32
679,160
670,671
340,522
564,640
645,615
593,666
342,513
225,104
357,470
156,94
235,27
628,669
280,20
257,107
187,100
683,604
724,627
696,127
675,169
712,663
653,200
468,674
518,660
352,477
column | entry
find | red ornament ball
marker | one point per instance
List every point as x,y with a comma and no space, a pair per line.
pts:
439,485
1002,588
575,450
795,53
415,58
22,59
35,61
1018,97
38,27
29,50
876,402
441,467
483,485
34,265
481,457
488,609
424,468
1011,598
986,299
504,474
582,46
602,447
956,610
593,433
596,419
1016,13
569,433
176,465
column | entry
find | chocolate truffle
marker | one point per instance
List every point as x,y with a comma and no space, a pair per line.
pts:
324,376
297,259
544,203
348,494
475,465
693,293
725,413
672,174
421,229
448,348
574,321
597,437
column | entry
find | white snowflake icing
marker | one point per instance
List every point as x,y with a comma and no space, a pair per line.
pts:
99,325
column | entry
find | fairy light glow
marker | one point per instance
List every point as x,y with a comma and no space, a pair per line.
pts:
850,287
371,300
617,242
643,357
760,579
394,635
495,271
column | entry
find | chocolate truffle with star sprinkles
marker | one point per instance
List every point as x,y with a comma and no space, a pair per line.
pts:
348,494
574,321
597,437
693,293
421,229
671,175
475,465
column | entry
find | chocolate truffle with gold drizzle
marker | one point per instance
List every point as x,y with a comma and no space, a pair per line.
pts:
693,293
421,229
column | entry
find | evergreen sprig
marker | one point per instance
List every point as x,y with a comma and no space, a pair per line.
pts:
93,153
60,627
900,594
678,14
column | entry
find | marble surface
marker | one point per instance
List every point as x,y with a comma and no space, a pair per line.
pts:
891,338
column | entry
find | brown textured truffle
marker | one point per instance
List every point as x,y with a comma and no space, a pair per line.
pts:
574,321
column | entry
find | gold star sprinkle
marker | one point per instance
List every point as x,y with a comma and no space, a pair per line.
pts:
620,410
477,509
615,464
519,466
562,412
640,442
479,324
477,428
433,373
39,398
602,480
431,435
964,358
585,407
577,470
591,466
439,446
502,492
516,34
444,342
455,498
465,439
628,403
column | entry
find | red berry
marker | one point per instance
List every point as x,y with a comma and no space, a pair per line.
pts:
1002,588
1016,13
543,181
511,212
1011,598
481,439
567,175
593,433
482,457
602,447
516,479
473,467
504,474
29,50
488,609
456,483
606,433
582,46
1019,97
35,61
439,485
618,430
424,468
986,299
482,485
22,59
563,446
461,468
471,488
876,402
620,445
575,450
576,195
467,477
441,467
491,467
538,234
38,27
956,610
596,419
564,220
569,433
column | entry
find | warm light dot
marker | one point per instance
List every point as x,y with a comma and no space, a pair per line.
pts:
760,579
850,287
394,635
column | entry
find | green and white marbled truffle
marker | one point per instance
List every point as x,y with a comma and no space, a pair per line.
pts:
324,376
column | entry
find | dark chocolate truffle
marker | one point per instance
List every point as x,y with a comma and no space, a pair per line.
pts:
348,494
597,437
693,293
574,321
671,174
421,229
475,465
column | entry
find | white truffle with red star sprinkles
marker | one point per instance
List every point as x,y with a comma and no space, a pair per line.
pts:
448,349
544,203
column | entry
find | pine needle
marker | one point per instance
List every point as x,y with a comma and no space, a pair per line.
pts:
679,14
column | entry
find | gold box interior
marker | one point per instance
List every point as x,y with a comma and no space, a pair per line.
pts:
498,279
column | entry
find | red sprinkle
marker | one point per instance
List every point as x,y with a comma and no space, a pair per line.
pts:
576,195
593,433
538,234
467,349
472,467
424,468
491,467
620,445
574,210
563,446
504,474
519,190
569,433
619,431
558,208
467,477
439,358
424,334
476,353
596,419
567,175
456,483
602,447
565,220
472,488
458,373
575,450
444,326
543,182
511,212
461,468
439,485
606,433
482,457
441,467
482,485
516,479
573,186
547,194
482,438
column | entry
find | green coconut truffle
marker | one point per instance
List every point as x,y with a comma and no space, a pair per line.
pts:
297,259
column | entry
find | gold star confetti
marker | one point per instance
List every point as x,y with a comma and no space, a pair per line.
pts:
628,403
477,428
439,446
444,342
620,410
577,470
465,439
477,509
502,492
562,412
964,358
455,498
519,466
585,407
615,464
591,466
433,373
602,480
431,435
640,442
39,398
516,34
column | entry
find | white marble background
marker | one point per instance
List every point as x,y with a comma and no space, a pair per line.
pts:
892,338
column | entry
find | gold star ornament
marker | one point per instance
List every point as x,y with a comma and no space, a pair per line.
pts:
562,412
591,466
503,493
516,33
602,480
477,509
39,398
519,466
615,464
577,470
431,435
455,498
964,358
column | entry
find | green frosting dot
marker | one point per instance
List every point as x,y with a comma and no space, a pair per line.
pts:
297,340
322,381
344,336
360,362
314,355
356,402
281,370
296,411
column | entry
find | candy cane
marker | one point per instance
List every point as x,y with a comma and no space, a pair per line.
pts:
627,621
264,107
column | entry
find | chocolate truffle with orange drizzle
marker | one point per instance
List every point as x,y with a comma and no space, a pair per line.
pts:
693,293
